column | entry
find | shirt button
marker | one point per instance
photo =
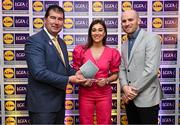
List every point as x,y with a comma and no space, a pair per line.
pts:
129,81
128,70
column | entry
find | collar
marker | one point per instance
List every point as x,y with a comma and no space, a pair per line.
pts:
134,35
50,36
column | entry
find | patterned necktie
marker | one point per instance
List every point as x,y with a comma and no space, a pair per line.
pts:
56,44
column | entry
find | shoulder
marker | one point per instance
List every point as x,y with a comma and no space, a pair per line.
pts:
113,51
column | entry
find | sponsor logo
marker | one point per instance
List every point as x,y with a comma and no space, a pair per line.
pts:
81,6
8,38
81,22
8,21
10,105
68,6
7,5
69,104
21,21
38,6
157,22
157,6
9,89
21,5
38,23
68,23
110,6
140,6
97,6
69,88
8,55
69,120
126,5
10,121
8,73
68,39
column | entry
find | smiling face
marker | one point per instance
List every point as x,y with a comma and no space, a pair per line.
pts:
54,22
98,33
130,21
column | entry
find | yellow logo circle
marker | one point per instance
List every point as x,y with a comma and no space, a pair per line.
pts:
9,89
68,6
124,120
38,6
10,121
69,120
8,38
69,89
68,23
68,39
97,6
9,73
124,38
70,55
126,5
8,21
157,6
8,55
157,22
38,23
7,4
69,104
10,105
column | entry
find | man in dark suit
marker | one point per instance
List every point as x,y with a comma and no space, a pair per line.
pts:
49,71
138,71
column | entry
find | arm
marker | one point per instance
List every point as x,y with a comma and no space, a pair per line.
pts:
152,62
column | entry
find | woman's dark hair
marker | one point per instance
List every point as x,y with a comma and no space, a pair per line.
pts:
90,40
55,8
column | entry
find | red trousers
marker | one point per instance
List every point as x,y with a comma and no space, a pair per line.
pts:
102,106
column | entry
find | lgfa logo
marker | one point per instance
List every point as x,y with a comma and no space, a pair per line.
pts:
38,23
9,89
8,55
8,73
157,22
68,39
157,6
7,4
10,105
8,21
97,6
68,6
10,121
38,6
126,5
8,38
68,23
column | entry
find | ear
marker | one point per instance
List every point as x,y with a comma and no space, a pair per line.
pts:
139,20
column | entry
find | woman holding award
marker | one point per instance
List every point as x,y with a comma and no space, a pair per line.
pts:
100,65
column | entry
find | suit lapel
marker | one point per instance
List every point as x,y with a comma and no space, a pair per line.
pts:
49,41
136,43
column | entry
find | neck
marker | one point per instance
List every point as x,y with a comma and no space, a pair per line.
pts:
97,45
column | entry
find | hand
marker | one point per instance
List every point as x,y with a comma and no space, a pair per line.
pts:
88,83
130,92
102,82
125,99
79,75
75,79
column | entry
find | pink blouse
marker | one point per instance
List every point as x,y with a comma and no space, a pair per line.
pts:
107,63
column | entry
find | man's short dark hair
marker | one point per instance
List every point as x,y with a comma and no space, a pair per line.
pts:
55,8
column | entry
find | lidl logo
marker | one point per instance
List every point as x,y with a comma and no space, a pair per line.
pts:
10,121
8,38
126,5
69,88
157,6
124,120
8,73
9,89
157,22
68,23
38,6
10,105
124,38
69,120
8,55
38,23
68,6
8,21
69,104
97,6
68,39
70,55
7,4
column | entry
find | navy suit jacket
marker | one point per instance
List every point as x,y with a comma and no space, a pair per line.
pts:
48,76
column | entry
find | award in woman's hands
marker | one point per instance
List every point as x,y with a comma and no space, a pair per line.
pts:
89,69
